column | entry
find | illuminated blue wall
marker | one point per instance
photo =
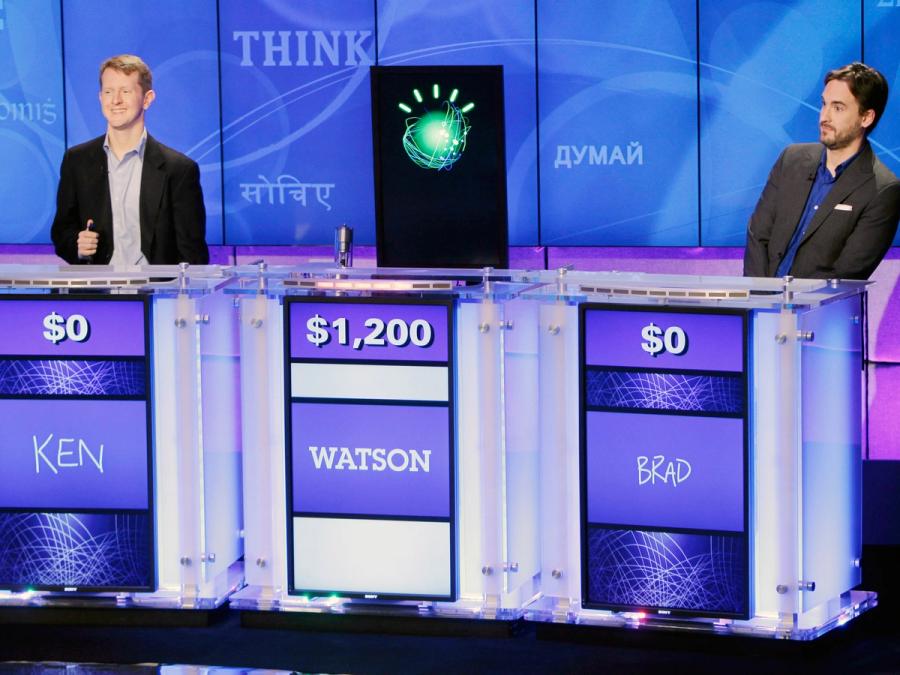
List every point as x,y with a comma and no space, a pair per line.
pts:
880,30
618,101
32,118
761,70
178,40
295,115
629,122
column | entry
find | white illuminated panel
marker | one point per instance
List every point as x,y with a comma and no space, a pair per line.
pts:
401,557
365,381
371,284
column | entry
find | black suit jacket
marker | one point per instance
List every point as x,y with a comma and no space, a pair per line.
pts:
849,234
173,218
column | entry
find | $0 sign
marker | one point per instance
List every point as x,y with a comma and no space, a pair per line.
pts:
672,340
58,328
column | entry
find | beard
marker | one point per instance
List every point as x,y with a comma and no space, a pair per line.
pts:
833,139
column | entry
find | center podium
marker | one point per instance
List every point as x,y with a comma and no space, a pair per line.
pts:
597,448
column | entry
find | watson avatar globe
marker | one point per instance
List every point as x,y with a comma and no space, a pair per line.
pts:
437,138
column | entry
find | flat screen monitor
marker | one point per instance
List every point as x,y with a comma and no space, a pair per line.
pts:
76,491
664,481
440,166
370,463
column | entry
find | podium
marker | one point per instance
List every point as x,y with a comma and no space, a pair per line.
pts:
625,449
701,453
381,453
609,449
118,394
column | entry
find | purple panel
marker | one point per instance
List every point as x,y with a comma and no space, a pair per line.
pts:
73,454
526,257
701,466
619,338
357,315
884,310
520,257
396,462
884,411
28,254
363,256
116,327
654,260
221,255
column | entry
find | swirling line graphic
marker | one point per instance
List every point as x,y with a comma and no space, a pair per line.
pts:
660,569
75,550
665,391
49,377
436,139
210,143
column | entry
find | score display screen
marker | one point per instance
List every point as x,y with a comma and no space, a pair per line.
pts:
76,509
370,447
664,486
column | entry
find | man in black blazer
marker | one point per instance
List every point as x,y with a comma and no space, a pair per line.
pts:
829,209
125,198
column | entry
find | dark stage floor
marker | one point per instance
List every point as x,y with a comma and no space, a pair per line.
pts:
870,644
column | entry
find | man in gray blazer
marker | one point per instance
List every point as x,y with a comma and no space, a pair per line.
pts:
829,209
125,198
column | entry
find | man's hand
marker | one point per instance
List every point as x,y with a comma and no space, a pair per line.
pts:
87,241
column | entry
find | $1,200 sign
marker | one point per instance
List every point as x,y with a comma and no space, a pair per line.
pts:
369,331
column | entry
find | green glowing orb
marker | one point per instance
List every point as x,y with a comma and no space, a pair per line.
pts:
436,139
432,133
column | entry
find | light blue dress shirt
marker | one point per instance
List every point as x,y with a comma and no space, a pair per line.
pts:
125,196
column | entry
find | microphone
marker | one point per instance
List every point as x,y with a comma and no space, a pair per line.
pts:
89,226
343,246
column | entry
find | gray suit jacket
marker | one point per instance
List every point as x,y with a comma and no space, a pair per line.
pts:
851,231
173,218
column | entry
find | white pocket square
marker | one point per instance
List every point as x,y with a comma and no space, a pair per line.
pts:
843,207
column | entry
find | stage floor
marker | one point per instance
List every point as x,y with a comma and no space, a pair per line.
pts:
870,644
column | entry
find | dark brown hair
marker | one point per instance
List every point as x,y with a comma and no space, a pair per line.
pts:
867,85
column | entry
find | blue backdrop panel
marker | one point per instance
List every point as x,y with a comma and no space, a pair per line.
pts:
616,79
882,26
297,128
178,41
473,32
32,128
761,71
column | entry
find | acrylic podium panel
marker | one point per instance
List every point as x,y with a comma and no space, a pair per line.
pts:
383,468
714,473
122,486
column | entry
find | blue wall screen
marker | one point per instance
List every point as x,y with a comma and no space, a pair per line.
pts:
296,123
178,42
882,24
32,122
424,32
761,71
618,101
628,122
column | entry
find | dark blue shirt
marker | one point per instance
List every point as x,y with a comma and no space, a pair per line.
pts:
820,188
